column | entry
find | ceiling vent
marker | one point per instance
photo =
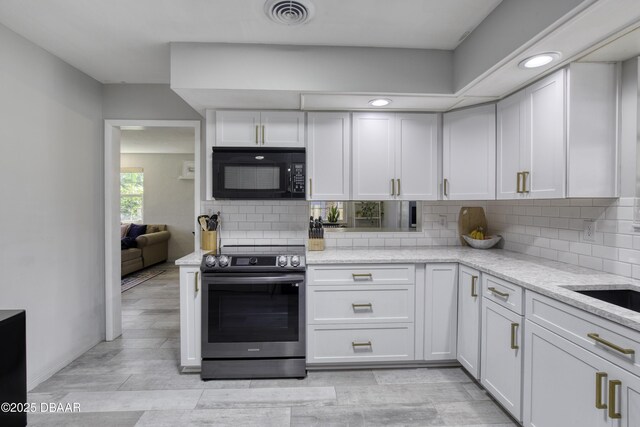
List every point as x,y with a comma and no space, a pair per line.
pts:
289,12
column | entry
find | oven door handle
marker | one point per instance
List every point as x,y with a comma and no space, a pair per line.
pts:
233,280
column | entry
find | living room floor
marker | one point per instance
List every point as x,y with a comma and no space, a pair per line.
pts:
135,381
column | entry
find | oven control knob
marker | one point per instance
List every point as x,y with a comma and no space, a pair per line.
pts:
282,261
253,260
223,260
295,260
210,261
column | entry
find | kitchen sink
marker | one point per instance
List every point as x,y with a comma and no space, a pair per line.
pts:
625,298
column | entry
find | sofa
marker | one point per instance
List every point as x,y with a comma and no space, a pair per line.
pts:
151,248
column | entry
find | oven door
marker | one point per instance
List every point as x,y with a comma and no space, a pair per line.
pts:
253,316
247,173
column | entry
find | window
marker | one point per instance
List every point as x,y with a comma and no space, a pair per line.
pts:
131,194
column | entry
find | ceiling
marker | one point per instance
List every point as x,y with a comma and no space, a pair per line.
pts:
158,140
118,41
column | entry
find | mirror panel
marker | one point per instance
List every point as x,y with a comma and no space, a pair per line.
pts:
368,216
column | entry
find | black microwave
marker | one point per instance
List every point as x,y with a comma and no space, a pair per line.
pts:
258,174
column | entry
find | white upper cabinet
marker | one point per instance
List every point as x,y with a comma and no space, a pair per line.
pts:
531,141
558,137
510,136
328,156
544,166
469,154
592,144
259,129
373,156
416,157
394,156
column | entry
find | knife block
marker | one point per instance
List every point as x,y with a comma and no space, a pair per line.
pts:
209,240
316,245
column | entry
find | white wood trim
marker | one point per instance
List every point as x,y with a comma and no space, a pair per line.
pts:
113,300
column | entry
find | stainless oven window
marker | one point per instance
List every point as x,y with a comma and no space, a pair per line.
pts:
252,177
253,313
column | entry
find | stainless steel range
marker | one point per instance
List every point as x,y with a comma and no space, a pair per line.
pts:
253,312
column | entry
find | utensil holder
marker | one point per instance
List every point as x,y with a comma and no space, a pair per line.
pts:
316,245
209,240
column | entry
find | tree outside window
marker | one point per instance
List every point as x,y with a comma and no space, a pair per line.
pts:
131,194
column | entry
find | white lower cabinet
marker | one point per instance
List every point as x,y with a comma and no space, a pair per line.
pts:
360,313
469,299
440,311
190,319
360,343
501,372
566,385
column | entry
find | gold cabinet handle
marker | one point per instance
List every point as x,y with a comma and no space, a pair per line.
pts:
514,344
596,338
518,175
196,281
361,344
357,306
445,187
474,281
497,292
398,186
262,134
612,399
310,188
357,276
599,377
525,174
257,140
393,187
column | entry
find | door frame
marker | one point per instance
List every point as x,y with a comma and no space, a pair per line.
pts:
112,263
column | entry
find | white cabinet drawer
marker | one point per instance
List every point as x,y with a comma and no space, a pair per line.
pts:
389,274
503,293
359,343
361,304
576,326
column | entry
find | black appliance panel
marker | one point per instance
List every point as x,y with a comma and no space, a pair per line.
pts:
255,174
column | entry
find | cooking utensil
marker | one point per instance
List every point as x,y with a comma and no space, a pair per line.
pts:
202,220
212,223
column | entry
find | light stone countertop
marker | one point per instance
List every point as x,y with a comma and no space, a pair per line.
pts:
554,279
194,259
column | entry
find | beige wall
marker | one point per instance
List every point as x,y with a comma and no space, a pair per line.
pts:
167,199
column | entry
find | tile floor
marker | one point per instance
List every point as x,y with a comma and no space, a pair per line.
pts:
134,381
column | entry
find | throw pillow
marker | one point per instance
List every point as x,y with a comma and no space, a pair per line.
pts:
153,228
136,230
123,230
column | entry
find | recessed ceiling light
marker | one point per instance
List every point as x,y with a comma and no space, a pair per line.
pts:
539,60
380,102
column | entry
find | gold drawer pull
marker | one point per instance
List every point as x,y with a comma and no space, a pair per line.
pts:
445,187
525,174
367,305
361,344
612,400
398,180
514,344
257,140
596,337
310,188
358,276
599,377
497,292
518,175
263,135
474,281
393,187
196,281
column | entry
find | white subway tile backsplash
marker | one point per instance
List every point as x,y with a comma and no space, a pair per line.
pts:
590,262
616,267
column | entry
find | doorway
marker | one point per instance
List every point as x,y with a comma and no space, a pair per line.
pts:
127,136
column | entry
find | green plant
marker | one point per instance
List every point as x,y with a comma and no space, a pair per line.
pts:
334,214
